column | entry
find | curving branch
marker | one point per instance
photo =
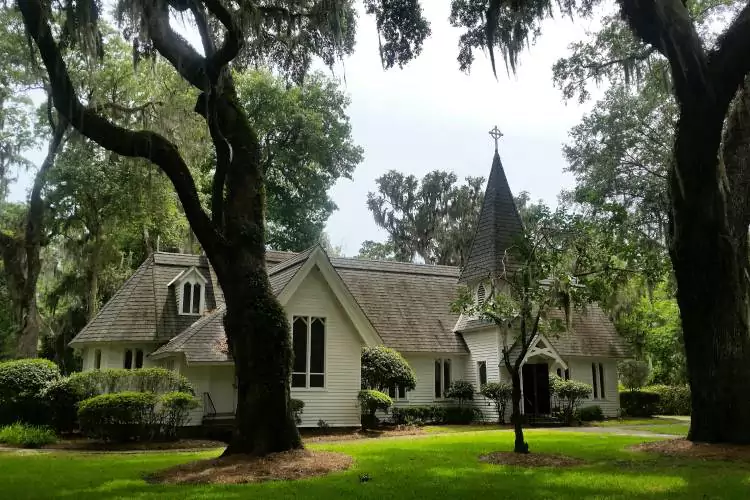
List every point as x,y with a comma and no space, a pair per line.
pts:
668,27
142,144
232,41
173,47
730,62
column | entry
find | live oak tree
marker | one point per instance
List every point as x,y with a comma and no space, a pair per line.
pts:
708,192
433,219
285,35
554,268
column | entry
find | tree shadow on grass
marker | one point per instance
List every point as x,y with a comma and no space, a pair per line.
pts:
440,468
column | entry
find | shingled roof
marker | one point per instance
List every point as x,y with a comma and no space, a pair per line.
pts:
408,304
499,224
144,309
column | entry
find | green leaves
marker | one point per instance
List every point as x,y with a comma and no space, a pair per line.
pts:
384,368
434,219
306,146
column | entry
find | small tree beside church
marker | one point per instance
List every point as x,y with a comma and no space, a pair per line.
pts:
536,291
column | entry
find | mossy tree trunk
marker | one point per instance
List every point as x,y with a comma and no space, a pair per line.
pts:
20,254
233,237
710,213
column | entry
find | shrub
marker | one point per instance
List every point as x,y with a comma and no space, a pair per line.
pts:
499,393
27,436
296,406
590,413
461,415
158,380
62,397
639,403
371,401
119,417
383,367
174,411
461,391
633,373
22,383
570,394
673,399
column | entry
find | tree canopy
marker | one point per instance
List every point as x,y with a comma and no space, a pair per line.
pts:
433,219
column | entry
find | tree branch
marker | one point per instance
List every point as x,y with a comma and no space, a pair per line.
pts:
173,47
668,27
730,62
142,144
232,41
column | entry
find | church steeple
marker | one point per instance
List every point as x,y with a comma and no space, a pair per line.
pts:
499,225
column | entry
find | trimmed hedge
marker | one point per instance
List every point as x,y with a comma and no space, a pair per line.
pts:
22,383
158,380
27,436
570,395
119,417
673,399
639,403
371,401
130,416
590,413
173,412
437,415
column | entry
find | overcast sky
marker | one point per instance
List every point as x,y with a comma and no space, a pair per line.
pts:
431,116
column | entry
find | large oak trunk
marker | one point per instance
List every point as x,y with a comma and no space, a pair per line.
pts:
260,343
257,330
709,250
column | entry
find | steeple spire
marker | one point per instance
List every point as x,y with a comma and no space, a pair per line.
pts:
498,226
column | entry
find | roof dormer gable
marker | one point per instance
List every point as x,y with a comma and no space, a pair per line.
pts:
190,292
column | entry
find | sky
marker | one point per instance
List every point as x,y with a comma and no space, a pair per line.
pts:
429,115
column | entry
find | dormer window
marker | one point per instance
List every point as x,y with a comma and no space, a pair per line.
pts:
191,298
190,291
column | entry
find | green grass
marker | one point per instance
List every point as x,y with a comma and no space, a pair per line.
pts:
437,466
674,429
629,422
27,436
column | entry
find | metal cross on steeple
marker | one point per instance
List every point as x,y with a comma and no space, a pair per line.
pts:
496,134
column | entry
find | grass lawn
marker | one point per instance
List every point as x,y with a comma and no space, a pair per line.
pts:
627,422
660,425
413,467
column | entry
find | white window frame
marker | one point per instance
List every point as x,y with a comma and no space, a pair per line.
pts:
133,357
193,277
479,377
598,374
307,373
443,386
97,359
395,396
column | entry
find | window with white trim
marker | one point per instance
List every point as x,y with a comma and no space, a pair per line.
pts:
309,344
442,377
481,373
192,298
133,359
97,359
597,378
397,393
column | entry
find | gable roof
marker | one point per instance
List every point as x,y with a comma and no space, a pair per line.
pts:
144,309
401,302
499,224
